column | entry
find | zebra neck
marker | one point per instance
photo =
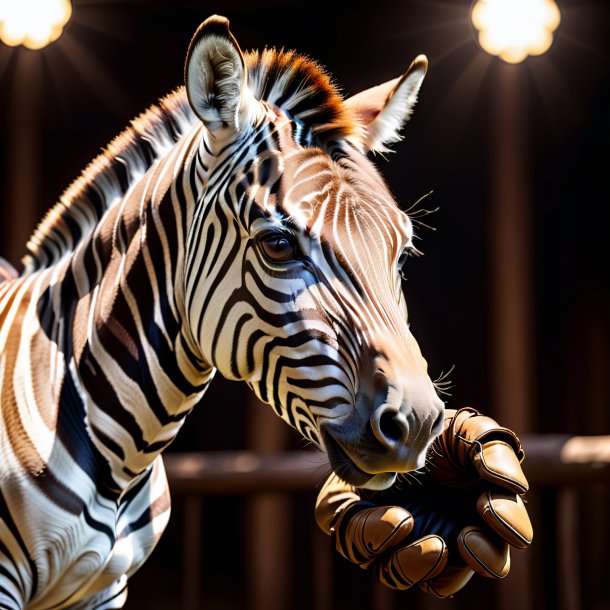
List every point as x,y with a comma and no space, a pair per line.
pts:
135,368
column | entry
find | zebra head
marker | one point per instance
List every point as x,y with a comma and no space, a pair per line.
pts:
292,271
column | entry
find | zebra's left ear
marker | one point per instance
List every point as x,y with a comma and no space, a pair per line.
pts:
217,78
383,110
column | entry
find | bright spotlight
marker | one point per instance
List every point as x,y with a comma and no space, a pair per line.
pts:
33,23
514,29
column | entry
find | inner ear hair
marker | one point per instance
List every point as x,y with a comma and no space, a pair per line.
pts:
215,74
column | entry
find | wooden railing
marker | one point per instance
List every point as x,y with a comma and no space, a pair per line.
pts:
552,460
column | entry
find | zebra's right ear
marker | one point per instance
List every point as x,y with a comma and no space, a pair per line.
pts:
217,78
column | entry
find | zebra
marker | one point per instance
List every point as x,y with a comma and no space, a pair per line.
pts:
236,227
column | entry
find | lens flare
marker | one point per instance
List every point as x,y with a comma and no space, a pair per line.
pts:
33,23
514,29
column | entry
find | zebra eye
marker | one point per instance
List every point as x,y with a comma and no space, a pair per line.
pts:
279,247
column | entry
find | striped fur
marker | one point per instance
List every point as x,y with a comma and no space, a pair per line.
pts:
258,242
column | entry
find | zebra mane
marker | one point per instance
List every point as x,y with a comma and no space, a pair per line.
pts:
106,179
292,82
304,90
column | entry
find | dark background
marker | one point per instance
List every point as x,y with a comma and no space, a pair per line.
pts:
116,58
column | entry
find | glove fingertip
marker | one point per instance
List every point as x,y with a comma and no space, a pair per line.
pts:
449,582
422,559
385,527
367,530
485,554
506,515
496,462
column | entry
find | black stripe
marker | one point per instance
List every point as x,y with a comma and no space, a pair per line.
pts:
106,601
6,592
4,571
97,384
243,320
221,272
73,434
5,515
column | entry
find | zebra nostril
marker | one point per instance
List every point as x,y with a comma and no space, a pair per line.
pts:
390,428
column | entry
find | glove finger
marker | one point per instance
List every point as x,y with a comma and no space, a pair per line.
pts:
483,552
507,516
423,559
334,498
363,534
448,582
496,462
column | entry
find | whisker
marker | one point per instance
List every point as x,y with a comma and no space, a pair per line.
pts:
442,383
443,376
416,214
412,476
413,205
419,223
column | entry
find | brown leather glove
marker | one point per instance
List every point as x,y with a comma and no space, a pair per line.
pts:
437,528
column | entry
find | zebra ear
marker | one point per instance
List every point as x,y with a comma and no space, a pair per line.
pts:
383,110
217,78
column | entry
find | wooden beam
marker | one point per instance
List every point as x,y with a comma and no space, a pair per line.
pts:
23,191
552,460
511,257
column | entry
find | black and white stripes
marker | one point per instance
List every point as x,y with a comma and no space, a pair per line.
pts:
242,232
